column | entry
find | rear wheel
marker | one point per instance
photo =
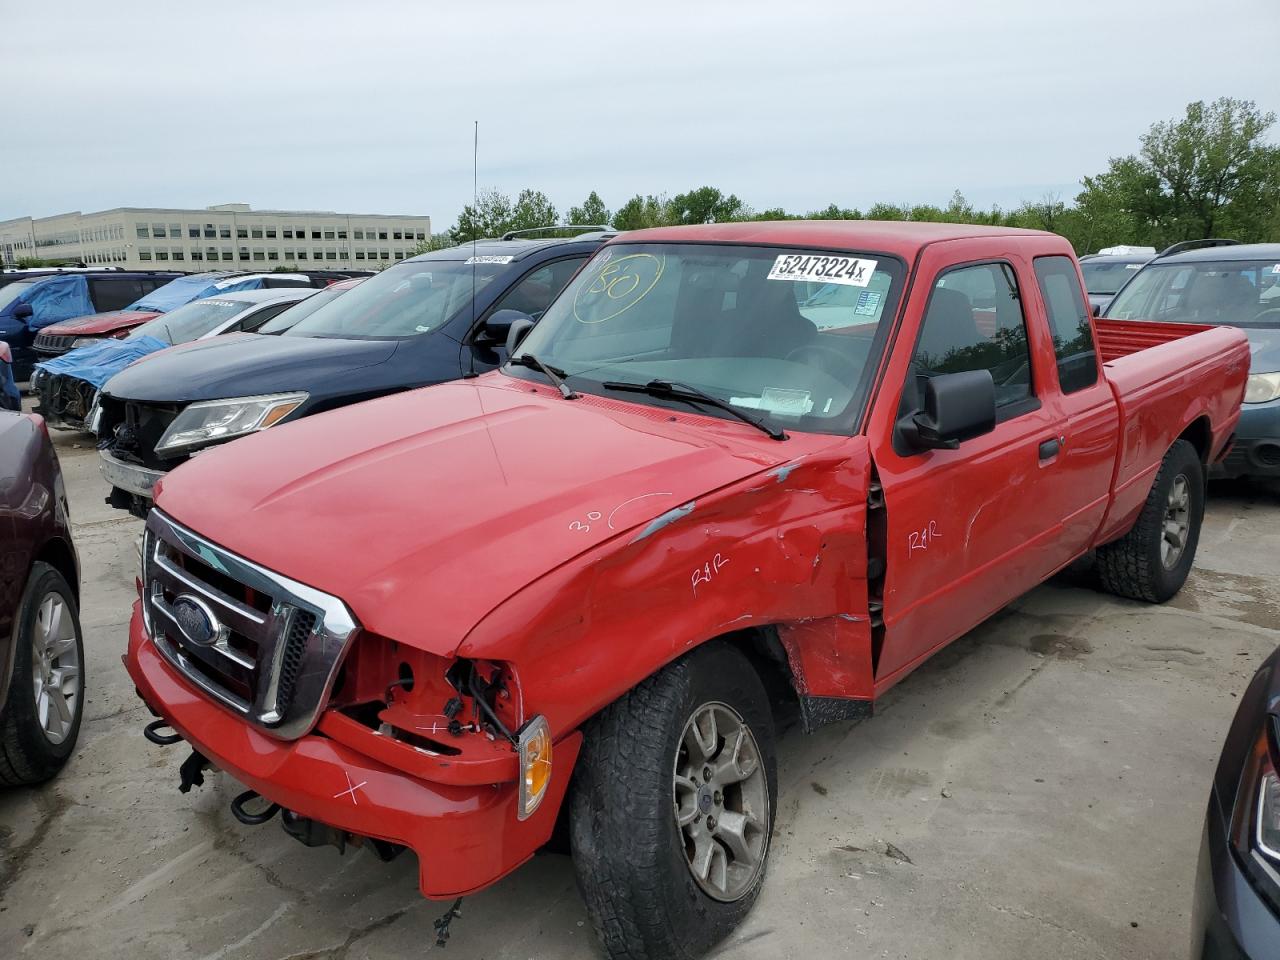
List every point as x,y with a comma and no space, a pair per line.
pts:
42,713
672,808
1152,560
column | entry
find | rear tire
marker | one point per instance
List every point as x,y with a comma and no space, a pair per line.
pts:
657,882
1152,560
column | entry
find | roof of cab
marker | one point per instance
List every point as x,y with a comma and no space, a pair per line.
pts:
517,248
889,236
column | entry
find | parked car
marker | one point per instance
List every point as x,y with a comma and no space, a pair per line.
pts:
10,395
702,477
1236,285
432,318
1105,273
68,385
41,646
1236,910
29,305
57,339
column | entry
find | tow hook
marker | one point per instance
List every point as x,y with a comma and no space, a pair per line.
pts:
252,819
152,732
191,773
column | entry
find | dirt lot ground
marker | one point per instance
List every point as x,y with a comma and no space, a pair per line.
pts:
1036,791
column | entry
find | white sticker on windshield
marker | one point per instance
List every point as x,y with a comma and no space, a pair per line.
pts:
796,403
1276,268
1133,266
821,268
489,259
868,303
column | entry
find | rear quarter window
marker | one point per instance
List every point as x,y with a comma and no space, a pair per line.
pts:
1068,316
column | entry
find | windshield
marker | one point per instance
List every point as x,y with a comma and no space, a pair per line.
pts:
402,301
303,309
1233,292
790,333
12,291
1105,277
190,322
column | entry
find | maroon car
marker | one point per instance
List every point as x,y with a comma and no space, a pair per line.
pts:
41,646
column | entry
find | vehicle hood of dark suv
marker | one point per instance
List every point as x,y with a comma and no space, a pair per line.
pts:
424,510
246,366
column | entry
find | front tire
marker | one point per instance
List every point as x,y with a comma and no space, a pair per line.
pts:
1151,562
42,713
673,805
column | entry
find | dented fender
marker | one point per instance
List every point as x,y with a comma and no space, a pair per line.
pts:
783,549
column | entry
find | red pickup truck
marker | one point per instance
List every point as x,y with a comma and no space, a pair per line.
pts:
734,469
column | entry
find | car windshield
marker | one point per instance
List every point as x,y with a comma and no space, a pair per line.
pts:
301,310
1105,277
190,322
790,333
1234,292
12,291
406,300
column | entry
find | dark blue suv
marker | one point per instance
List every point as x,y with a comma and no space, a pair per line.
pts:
432,318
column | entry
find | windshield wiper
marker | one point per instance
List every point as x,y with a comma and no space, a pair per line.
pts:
555,375
682,391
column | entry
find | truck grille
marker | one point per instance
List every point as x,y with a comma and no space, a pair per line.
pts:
264,645
48,343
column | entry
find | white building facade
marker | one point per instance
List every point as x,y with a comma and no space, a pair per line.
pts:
225,236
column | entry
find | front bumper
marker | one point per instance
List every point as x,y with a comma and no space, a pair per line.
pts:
1229,920
466,837
1256,451
129,477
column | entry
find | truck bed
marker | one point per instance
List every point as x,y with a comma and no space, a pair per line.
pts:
1160,374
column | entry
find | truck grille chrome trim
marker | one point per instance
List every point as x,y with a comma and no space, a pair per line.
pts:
257,642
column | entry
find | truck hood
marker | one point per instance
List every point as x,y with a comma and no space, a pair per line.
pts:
246,366
98,324
425,510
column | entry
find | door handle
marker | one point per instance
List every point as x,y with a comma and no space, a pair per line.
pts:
1050,448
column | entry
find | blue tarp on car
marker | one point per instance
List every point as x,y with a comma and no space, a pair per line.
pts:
57,299
99,362
184,290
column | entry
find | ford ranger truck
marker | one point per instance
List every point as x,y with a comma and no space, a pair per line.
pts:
733,466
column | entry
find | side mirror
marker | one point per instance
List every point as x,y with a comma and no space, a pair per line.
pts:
1097,309
519,329
22,311
497,328
957,406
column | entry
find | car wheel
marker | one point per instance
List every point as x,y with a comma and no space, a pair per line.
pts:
1152,560
672,807
45,703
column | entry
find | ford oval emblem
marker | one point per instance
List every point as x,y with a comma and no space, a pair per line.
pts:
196,620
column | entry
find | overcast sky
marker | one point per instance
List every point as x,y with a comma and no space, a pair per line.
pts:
367,107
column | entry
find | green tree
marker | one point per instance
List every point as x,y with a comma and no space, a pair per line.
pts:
707,205
640,212
592,211
1208,173
835,212
489,216
532,209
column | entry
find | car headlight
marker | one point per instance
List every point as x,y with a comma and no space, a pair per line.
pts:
1262,387
1255,820
84,342
212,420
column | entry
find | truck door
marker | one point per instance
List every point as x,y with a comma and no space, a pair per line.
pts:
966,530
1079,483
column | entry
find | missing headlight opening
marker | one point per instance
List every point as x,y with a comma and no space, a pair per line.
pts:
425,702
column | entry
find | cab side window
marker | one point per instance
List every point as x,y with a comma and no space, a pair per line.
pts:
974,321
534,293
1068,322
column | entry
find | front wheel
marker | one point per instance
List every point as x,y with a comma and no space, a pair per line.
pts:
1152,560
42,713
673,805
